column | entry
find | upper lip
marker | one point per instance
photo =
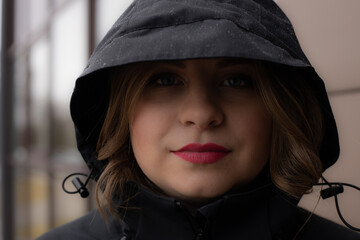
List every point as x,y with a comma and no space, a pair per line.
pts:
207,147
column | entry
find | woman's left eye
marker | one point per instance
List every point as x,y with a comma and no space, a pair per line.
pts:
166,80
238,81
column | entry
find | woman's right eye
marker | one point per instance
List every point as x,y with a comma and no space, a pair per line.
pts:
165,80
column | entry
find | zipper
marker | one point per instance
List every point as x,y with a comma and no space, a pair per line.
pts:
198,225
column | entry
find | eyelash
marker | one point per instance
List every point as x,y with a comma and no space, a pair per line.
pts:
156,80
245,81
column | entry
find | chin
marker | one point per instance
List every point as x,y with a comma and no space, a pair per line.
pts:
200,194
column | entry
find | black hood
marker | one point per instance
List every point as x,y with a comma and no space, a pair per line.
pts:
186,29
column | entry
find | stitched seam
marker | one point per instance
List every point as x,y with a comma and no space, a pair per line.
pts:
173,24
191,22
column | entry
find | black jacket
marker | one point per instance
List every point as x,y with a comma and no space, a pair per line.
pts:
185,29
264,213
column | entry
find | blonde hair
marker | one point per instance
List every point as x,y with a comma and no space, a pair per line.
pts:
296,136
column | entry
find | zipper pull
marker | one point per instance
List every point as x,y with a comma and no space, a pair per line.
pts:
199,236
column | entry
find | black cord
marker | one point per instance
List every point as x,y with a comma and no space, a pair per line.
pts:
337,183
73,174
89,177
334,191
81,187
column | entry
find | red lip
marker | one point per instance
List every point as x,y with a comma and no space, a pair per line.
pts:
205,154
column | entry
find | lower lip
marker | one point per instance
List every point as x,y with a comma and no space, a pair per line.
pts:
201,157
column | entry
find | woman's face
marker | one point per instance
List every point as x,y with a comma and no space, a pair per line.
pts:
200,129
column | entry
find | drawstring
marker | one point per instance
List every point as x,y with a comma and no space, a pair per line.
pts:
79,185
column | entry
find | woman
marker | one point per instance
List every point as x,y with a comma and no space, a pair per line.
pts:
202,120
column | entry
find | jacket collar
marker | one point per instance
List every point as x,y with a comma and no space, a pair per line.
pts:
232,216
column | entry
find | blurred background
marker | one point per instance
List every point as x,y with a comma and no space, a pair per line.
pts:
45,45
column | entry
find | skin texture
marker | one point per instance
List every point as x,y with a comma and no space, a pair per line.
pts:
201,101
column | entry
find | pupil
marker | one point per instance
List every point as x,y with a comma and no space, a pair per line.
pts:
167,81
234,81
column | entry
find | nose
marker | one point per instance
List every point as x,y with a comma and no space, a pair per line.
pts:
201,110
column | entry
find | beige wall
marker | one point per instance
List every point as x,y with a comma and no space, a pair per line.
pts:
329,32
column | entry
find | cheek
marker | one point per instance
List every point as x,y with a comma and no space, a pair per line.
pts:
150,123
261,132
253,128
260,124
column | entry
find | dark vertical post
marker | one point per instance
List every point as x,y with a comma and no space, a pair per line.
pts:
24,170
26,141
6,120
51,119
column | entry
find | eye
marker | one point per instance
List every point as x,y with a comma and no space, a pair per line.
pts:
238,81
165,80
